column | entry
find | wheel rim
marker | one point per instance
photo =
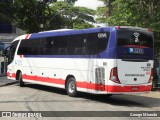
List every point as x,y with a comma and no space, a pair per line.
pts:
71,86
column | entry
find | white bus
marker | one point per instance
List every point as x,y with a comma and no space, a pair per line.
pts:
106,60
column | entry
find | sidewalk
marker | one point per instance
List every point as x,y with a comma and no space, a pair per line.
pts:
4,81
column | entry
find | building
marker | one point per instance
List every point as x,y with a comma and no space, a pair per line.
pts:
7,34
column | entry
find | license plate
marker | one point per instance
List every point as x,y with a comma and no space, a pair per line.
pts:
135,88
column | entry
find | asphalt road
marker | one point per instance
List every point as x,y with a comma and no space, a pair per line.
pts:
36,98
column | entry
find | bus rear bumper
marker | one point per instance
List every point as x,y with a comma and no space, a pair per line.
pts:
129,89
113,89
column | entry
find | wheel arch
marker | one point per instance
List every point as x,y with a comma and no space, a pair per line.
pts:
67,78
17,74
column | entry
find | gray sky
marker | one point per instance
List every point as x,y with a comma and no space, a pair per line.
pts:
92,4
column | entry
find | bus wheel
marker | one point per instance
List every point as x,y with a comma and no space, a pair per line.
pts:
21,83
71,87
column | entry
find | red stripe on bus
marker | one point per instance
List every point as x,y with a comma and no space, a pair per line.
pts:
135,46
27,36
20,56
44,79
8,74
91,86
13,75
86,85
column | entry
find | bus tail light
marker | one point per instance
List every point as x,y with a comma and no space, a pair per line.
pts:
114,75
118,27
151,77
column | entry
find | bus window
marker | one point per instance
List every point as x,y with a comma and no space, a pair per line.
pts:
77,44
13,49
61,45
29,47
33,46
129,37
97,42
23,48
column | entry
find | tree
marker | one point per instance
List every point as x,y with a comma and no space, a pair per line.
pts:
37,15
104,12
28,14
74,17
142,13
6,15
70,1
32,15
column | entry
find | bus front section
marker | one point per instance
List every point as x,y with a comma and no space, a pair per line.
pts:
134,61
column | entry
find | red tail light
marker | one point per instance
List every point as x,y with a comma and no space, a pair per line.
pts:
151,77
114,75
118,27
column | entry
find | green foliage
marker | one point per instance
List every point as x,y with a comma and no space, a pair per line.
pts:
101,14
39,15
27,14
74,17
71,1
6,11
82,25
142,13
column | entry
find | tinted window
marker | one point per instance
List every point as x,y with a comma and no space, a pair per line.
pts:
44,45
13,48
134,37
23,48
61,45
77,44
80,44
29,47
33,46
97,42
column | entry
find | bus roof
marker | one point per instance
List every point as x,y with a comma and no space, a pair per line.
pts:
55,30
63,32
68,32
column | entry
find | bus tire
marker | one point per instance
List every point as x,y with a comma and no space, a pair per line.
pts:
108,95
71,87
21,83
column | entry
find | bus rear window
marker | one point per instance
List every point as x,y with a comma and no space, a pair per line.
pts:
137,37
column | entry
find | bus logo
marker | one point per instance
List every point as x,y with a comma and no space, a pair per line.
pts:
102,35
136,50
136,35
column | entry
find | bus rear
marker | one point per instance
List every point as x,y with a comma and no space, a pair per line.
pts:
134,70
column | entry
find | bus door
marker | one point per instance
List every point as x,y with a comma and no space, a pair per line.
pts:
134,56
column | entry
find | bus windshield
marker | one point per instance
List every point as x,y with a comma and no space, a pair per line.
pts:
12,50
128,37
